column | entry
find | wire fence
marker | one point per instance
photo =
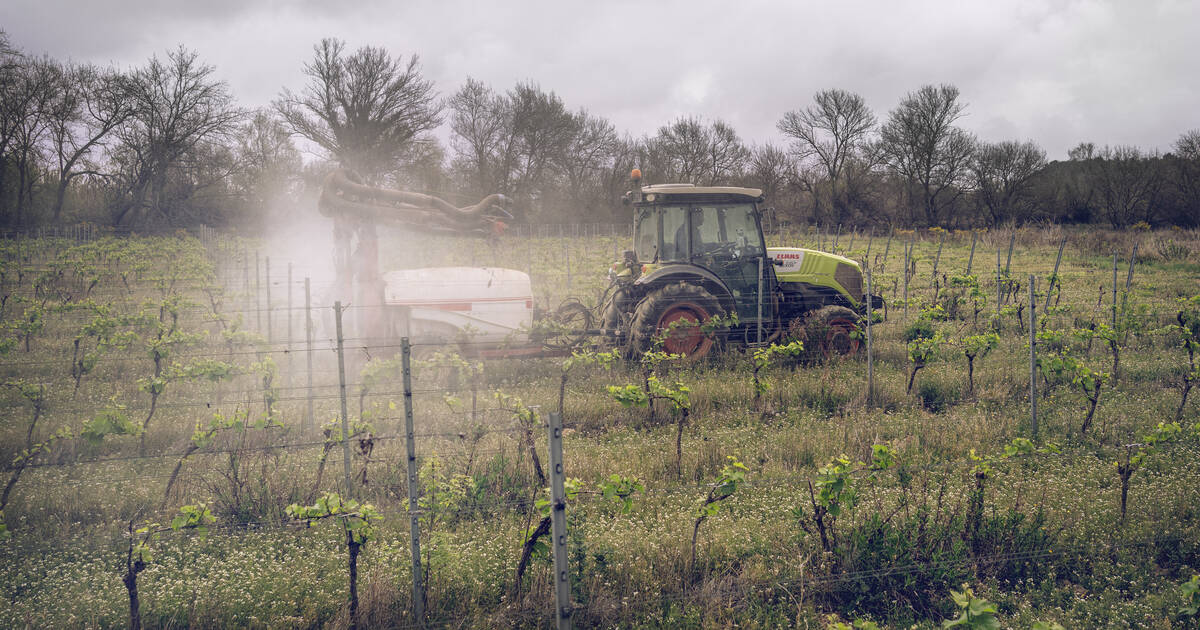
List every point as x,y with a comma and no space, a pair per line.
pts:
275,319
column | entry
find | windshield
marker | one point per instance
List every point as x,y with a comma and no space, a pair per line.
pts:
716,226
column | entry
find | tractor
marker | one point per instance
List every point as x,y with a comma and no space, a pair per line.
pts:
699,257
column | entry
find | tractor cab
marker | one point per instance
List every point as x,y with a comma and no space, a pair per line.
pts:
709,235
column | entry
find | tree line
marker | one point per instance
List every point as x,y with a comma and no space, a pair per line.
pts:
165,145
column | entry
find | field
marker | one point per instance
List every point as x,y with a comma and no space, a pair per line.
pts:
143,375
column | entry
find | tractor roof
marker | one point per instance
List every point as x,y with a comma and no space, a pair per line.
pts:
674,191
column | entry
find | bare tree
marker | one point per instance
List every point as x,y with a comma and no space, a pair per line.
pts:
542,132
1187,146
770,169
1128,184
1185,177
524,143
726,155
422,168
268,164
1004,173
13,108
87,105
825,137
590,154
1082,152
687,150
179,106
28,97
921,144
832,130
480,136
678,151
615,179
364,109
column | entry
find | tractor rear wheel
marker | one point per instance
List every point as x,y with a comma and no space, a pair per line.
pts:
682,306
834,330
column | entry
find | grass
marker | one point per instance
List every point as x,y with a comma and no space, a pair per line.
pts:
758,566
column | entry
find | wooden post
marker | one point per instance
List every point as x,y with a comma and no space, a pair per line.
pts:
257,293
267,278
1114,294
999,287
1128,285
907,254
1132,261
1033,419
1008,263
870,363
1054,276
337,310
410,437
289,326
936,260
245,278
887,248
308,336
971,258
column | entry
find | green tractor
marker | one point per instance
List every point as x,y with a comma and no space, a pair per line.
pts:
699,257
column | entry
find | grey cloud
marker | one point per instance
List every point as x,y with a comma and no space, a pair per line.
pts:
1056,72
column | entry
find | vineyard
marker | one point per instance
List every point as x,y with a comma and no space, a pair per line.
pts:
186,446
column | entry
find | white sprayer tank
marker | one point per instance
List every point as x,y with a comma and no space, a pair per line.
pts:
493,305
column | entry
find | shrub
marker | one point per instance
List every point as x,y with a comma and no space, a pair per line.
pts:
937,396
901,570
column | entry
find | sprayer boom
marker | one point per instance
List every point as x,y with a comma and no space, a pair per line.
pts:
345,196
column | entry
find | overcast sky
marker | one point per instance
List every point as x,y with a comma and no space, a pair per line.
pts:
1054,71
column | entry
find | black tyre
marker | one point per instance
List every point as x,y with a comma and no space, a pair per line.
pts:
675,302
833,330
573,320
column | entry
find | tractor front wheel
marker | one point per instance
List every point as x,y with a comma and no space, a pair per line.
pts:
673,315
834,330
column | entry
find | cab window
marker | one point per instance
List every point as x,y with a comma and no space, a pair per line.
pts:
706,230
674,234
646,229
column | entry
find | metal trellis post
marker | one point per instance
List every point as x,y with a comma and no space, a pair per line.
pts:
558,526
